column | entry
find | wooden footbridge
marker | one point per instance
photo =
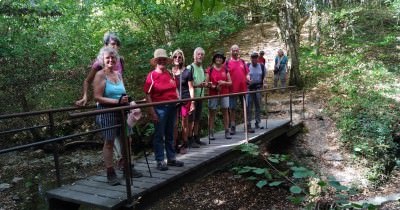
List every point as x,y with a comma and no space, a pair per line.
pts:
94,191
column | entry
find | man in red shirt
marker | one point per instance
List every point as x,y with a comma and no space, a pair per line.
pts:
239,73
261,58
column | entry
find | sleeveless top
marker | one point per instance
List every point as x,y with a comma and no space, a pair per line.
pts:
114,90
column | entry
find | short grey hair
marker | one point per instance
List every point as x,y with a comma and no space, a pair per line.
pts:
196,50
111,36
104,50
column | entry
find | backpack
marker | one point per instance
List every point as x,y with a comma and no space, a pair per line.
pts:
262,74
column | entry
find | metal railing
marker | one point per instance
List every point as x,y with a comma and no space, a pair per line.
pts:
122,110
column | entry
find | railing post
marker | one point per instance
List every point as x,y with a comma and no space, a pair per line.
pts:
266,109
245,117
303,111
126,154
291,113
55,150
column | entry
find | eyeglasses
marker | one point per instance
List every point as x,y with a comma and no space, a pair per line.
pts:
179,57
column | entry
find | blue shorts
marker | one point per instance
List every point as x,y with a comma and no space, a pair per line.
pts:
213,103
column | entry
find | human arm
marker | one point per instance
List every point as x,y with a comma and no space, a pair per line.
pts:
191,92
88,80
151,109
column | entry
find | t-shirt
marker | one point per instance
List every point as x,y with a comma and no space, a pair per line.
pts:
238,71
198,78
255,73
118,67
261,60
186,77
282,62
217,75
160,86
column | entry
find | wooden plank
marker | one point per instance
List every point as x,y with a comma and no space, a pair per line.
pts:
96,191
83,198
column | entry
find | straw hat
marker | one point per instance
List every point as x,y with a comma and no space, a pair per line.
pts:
160,53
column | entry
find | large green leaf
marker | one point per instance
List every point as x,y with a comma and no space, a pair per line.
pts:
295,189
260,184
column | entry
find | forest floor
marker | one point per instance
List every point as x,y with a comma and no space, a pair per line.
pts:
318,148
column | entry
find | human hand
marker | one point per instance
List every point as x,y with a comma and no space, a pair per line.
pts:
154,117
81,102
192,107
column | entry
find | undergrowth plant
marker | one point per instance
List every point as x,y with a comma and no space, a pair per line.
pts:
358,72
305,186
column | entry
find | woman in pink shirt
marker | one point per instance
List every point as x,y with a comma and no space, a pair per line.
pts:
161,86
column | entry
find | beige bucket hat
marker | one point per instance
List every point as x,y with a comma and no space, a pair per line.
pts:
160,53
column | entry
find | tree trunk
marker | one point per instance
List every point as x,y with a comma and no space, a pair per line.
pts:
290,25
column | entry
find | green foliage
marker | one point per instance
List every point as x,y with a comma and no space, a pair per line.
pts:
360,76
274,173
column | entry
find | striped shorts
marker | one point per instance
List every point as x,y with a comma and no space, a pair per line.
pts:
108,119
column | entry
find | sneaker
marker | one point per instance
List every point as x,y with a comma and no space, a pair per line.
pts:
233,130
162,166
112,178
227,136
183,150
175,163
211,136
197,140
250,130
258,126
135,173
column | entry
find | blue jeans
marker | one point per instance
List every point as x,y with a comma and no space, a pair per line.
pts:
164,128
253,98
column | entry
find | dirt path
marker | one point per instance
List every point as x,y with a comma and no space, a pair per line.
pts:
320,144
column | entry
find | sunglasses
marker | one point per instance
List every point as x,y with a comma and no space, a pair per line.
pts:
179,57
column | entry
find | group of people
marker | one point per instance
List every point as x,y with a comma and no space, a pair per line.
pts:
223,76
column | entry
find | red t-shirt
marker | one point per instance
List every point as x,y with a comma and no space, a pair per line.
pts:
238,71
217,75
160,86
261,60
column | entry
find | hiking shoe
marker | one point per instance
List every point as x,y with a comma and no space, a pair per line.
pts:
175,163
183,150
258,126
197,140
112,178
162,166
135,173
227,136
250,130
233,130
194,145
211,136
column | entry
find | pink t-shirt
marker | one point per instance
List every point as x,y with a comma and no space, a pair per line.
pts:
238,71
217,75
160,86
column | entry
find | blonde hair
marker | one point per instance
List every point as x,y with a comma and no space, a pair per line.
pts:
179,51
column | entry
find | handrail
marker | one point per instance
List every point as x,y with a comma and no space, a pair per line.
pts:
55,140
127,107
26,114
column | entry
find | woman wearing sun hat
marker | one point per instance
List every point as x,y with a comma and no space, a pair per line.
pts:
160,86
219,80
